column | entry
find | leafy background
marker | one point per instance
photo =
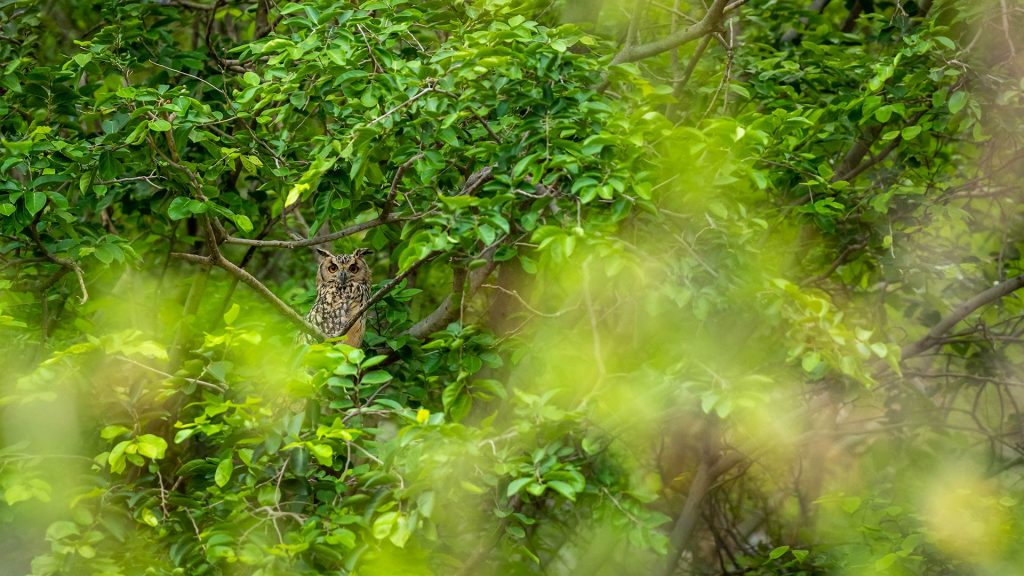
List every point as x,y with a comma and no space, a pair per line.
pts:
662,287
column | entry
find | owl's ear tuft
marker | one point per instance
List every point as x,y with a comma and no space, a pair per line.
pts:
324,253
360,252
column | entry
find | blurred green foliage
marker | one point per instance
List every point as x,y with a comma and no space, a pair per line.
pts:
726,309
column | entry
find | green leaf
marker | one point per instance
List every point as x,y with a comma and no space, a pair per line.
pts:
516,485
183,207
113,431
223,473
151,446
251,78
778,552
17,493
957,101
450,393
323,453
159,125
383,525
376,377
243,222
886,561
34,202
149,518
232,313
563,489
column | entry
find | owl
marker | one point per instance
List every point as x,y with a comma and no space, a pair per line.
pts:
342,288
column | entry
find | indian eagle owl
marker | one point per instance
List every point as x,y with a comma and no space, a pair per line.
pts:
342,288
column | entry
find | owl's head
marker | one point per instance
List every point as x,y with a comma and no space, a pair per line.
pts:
343,269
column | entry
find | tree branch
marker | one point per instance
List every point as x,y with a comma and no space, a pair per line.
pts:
707,25
291,244
839,261
962,311
449,308
852,164
394,186
218,260
852,158
69,264
703,481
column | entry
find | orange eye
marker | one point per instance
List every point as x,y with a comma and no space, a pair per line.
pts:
332,268
353,267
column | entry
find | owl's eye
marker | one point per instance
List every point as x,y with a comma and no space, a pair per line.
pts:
332,268
353,267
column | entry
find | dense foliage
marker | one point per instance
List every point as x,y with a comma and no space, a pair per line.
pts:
715,288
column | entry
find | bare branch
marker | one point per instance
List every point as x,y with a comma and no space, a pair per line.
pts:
476,180
703,482
412,99
707,25
449,308
965,309
218,260
394,185
526,304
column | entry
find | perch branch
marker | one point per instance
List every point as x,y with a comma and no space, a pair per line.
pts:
703,482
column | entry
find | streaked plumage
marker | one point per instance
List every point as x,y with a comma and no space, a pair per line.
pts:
342,287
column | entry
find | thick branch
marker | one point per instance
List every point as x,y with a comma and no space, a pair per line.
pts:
449,308
707,25
703,481
857,152
852,166
962,311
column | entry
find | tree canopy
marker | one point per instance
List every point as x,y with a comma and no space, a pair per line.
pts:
673,287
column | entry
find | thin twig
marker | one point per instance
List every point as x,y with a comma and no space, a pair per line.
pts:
394,185
592,314
526,305
69,264
166,375
414,98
